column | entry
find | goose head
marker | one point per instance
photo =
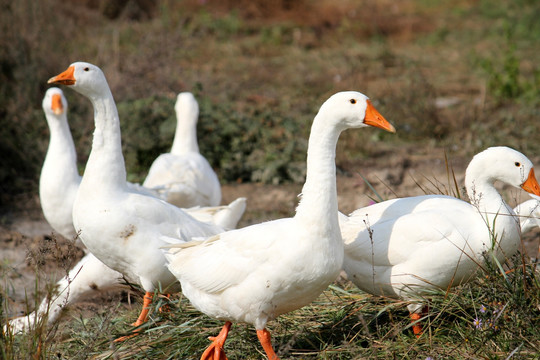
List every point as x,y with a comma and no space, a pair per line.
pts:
54,102
83,77
503,164
351,109
186,107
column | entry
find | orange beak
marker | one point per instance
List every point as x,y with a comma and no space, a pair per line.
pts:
56,105
531,184
65,78
374,118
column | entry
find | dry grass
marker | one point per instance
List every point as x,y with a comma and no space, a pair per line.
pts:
343,323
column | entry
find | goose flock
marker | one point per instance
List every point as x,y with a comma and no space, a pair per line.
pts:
171,234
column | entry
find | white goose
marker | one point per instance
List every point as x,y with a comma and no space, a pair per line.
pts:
400,247
60,179
120,226
59,183
256,273
184,175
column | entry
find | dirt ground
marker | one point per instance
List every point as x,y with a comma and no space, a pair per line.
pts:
28,244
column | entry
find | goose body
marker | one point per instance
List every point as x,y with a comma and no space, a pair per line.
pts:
256,273
184,176
119,225
402,246
218,274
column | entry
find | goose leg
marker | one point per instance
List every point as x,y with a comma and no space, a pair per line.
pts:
147,301
215,350
416,328
415,316
266,342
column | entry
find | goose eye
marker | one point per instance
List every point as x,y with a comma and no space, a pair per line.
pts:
352,101
86,69
517,164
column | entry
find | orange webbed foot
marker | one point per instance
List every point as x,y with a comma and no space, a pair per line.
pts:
137,323
215,350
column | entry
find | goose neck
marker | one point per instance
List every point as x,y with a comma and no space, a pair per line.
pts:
499,218
318,204
185,138
482,192
61,158
106,162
